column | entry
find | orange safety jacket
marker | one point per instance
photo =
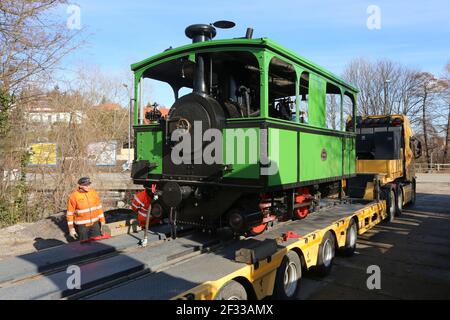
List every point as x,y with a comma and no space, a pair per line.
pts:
84,208
140,205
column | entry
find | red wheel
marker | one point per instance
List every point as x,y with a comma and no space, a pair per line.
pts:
258,229
301,213
302,197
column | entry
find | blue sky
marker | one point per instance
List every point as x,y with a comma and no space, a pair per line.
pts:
328,32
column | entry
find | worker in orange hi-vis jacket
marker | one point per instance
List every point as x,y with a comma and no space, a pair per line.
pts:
140,205
85,217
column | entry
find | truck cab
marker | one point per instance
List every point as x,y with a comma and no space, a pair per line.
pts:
385,151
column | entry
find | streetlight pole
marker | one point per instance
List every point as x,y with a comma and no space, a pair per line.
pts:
130,103
386,95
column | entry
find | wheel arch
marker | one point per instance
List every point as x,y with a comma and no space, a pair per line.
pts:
251,295
299,252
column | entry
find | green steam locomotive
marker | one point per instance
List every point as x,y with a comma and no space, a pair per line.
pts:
260,136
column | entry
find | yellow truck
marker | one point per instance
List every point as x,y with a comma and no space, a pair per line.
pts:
385,152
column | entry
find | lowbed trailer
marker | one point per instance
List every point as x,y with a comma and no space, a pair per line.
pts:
195,265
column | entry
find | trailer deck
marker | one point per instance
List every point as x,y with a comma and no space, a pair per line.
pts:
194,266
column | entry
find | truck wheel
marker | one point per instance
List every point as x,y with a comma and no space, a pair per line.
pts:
326,255
413,193
389,196
232,290
399,202
287,281
350,239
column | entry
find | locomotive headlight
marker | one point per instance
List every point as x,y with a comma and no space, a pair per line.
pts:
183,125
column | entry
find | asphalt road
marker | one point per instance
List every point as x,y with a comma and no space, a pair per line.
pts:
413,253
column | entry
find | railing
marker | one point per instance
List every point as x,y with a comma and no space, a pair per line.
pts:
432,168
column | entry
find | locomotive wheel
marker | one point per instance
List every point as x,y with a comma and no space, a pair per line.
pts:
254,231
301,213
232,290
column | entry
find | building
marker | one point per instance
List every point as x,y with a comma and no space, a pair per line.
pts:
49,116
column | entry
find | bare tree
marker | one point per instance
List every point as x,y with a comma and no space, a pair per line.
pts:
385,87
33,40
427,91
446,99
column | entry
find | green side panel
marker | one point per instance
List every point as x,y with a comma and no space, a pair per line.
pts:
283,150
316,101
149,147
350,156
313,165
241,149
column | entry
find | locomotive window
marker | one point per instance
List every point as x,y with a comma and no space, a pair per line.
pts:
349,107
184,91
235,82
161,84
282,84
304,92
333,107
177,73
153,92
230,77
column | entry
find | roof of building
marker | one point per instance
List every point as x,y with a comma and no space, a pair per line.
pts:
108,106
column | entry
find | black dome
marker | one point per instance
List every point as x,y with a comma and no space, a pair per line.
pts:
200,32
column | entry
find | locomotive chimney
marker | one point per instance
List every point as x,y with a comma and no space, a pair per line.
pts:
200,33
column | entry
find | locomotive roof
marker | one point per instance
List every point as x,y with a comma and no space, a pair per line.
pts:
264,43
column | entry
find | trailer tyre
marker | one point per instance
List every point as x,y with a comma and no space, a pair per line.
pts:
326,255
232,290
287,281
350,239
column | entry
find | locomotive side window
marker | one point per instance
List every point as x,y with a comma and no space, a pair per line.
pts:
282,85
349,108
304,92
316,101
333,107
235,83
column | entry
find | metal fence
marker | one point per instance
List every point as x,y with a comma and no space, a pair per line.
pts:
432,168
